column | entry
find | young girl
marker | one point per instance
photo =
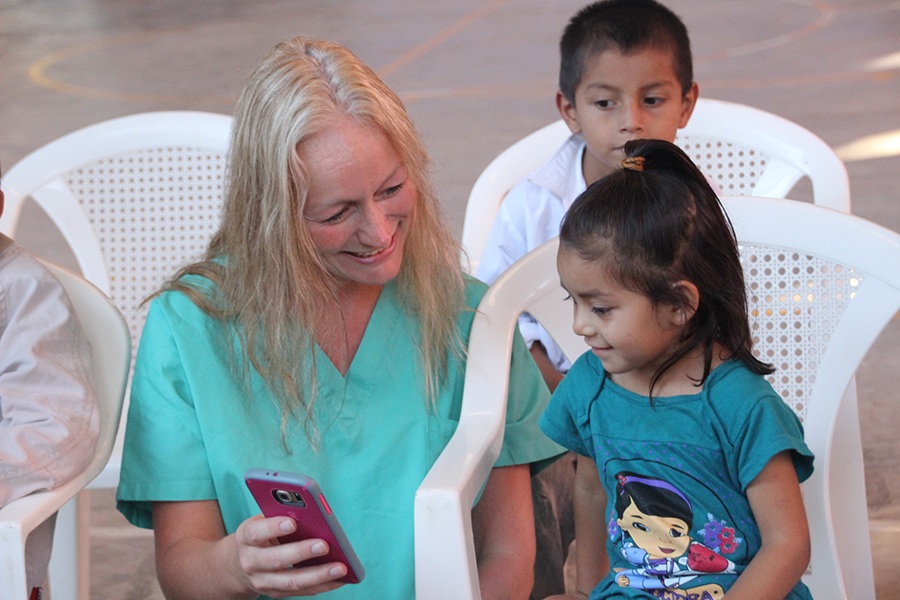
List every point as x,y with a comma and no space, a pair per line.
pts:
689,462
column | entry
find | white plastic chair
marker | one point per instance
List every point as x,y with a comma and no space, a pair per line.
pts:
110,342
747,151
135,197
818,296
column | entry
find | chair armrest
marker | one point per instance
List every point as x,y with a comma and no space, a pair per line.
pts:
444,545
445,550
22,516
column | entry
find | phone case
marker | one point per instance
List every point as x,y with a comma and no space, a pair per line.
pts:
279,493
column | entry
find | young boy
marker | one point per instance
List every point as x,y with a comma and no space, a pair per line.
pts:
625,73
49,421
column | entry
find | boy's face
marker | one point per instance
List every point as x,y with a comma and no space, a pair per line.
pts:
623,97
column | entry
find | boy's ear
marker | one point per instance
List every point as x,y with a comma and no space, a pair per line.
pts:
1,202
688,103
684,312
567,112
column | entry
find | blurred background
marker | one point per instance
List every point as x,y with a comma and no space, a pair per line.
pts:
476,76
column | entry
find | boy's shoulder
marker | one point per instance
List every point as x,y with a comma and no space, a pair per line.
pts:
27,287
17,263
9,250
558,180
556,173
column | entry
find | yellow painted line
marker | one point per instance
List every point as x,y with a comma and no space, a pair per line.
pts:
827,14
824,78
37,71
37,74
440,37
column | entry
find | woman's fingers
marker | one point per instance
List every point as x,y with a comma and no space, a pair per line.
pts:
302,581
260,531
279,570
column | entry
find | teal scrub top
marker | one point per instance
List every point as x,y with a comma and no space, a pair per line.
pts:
193,431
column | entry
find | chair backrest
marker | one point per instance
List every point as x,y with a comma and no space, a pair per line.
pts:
135,197
746,151
107,333
818,298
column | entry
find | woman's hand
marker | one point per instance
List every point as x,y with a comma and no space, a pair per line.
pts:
269,567
195,559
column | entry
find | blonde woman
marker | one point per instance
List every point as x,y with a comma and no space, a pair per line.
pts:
324,333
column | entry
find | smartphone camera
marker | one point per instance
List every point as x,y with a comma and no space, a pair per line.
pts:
289,498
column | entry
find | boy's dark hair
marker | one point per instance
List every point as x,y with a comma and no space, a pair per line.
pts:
660,223
627,25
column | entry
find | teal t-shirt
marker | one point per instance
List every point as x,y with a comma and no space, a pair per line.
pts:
192,431
681,466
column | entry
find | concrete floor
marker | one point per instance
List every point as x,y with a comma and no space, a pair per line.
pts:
476,76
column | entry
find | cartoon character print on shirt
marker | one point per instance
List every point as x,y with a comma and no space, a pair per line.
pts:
654,519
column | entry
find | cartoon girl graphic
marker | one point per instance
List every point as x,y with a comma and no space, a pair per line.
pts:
655,519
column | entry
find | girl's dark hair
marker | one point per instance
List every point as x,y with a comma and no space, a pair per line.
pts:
658,223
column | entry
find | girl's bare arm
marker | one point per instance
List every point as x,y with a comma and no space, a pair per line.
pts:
778,508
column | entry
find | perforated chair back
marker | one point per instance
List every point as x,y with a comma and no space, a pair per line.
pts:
746,151
819,295
135,198
107,334
818,299
751,152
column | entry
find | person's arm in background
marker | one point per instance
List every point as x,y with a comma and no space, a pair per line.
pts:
591,559
503,527
49,421
551,376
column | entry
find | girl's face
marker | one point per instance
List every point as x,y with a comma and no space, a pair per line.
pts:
629,335
359,203
659,537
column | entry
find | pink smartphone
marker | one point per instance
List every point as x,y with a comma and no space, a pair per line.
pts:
279,493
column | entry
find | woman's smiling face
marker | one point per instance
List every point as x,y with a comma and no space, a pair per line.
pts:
359,203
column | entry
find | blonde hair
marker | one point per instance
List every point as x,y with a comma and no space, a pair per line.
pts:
271,284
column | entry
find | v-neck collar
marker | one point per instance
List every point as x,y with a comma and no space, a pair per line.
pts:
373,348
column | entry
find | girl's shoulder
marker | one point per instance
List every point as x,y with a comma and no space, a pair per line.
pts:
586,377
733,392
733,374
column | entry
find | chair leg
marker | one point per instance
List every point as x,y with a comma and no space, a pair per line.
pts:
69,571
